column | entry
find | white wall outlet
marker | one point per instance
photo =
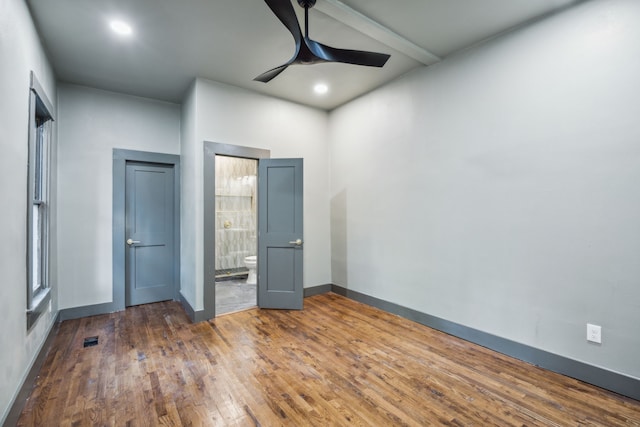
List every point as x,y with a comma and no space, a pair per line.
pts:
594,333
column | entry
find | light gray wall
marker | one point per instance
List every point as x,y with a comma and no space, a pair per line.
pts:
229,115
20,53
91,124
188,157
499,189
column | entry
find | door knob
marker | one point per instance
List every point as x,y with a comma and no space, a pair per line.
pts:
130,241
297,242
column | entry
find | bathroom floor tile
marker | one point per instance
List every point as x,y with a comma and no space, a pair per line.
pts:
235,295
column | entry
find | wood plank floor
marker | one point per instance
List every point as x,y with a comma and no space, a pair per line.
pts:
337,362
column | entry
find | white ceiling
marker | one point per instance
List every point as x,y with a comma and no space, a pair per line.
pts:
233,41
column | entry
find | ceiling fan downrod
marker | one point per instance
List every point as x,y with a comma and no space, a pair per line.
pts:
307,4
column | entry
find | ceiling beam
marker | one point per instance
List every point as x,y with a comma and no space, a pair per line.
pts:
356,20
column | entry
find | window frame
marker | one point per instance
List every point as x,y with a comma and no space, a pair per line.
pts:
38,201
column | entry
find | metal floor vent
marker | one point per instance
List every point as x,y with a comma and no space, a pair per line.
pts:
90,341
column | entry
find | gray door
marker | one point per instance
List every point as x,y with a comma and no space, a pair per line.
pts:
280,233
150,247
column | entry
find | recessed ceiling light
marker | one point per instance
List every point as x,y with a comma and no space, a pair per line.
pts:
121,28
321,88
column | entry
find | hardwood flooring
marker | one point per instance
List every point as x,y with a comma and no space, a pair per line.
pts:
337,362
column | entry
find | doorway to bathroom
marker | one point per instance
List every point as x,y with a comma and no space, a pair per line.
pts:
278,201
235,233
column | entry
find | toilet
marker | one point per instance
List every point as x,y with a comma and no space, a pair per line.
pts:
251,262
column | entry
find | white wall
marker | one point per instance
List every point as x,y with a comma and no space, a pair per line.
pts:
499,188
229,115
20,53
91,124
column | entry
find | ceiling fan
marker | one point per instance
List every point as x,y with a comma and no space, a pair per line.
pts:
310,51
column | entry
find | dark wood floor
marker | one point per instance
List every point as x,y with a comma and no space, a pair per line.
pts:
337,362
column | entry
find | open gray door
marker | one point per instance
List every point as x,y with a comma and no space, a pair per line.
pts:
280,234
150,247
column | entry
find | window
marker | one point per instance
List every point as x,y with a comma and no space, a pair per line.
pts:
40,125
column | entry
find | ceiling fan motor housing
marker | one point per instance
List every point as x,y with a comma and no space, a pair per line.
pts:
307,3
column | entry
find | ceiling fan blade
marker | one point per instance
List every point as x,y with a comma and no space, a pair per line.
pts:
271,74
283,9
357,57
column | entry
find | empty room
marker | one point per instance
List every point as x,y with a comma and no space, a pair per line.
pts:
331,212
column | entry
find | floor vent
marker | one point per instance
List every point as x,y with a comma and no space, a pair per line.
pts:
90,342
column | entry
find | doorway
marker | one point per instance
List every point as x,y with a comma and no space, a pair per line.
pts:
123,161
236,233
279,231
211,151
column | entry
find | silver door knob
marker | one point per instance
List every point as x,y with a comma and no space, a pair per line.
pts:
130,241
297,242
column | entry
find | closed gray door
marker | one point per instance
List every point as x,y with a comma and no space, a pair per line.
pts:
149,239
280,240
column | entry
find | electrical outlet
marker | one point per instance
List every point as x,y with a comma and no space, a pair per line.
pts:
594,333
